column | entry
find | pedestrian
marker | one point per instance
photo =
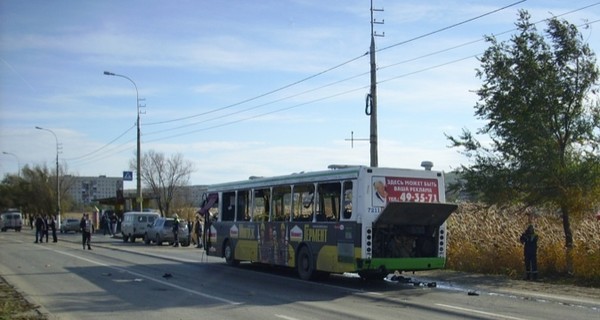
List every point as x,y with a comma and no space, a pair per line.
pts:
39,226
86,231
175,230
104,224
45,229
529,240
113,224
52,225
198,232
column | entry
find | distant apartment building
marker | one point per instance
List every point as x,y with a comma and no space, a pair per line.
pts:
86,190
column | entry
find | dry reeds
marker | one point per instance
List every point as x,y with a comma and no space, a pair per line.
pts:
486,240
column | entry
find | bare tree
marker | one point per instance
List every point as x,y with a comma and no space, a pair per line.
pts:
164,176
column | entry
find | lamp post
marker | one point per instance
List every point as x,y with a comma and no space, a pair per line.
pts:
18,162
138,157
57,182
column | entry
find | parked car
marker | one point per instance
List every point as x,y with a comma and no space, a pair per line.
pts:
162,231
69,224
11,220
135,224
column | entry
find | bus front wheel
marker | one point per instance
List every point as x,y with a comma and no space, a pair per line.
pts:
229,254
305,264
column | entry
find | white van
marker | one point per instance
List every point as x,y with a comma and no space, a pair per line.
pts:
11,220
135,224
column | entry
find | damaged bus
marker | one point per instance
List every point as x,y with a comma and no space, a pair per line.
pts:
356,219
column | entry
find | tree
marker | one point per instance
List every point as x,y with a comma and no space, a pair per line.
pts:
33,190
164,176
542,122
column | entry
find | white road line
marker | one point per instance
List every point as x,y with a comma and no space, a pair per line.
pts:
496,315
147,277
285,317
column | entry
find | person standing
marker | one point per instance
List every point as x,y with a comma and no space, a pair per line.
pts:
52,225
39,226
198,232
104,224
45,228
175,231
529,240
113,224
86,231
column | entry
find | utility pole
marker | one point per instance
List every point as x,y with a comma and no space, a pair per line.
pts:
371,103
139,197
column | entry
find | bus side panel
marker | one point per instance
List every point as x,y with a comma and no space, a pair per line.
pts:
336,246
246,250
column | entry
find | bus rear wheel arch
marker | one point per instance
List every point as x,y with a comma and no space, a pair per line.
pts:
229,254
305,264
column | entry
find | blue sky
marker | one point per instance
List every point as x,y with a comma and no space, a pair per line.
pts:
210,73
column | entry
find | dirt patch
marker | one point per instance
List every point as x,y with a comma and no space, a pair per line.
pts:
14,306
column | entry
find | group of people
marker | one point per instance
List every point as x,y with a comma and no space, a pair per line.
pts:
108,223
195,231
46,224
43,226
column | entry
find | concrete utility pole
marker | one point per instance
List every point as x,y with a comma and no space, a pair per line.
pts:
58,217
371,108
139,198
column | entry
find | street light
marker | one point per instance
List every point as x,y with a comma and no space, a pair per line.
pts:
138,158
18,162
57,183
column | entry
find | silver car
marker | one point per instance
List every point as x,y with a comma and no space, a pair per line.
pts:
11,220
162,231
69,225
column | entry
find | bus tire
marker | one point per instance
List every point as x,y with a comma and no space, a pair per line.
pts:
305,264
229,254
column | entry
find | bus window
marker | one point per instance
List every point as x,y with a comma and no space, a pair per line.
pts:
261,205
228,206
347,201
303,199
328,201
243,206
282,204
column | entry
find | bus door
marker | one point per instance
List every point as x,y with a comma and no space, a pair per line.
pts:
348,235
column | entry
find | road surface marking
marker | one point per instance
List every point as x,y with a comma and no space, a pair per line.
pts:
285,317
147,277
496,315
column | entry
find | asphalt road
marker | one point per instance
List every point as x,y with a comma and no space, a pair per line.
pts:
135,281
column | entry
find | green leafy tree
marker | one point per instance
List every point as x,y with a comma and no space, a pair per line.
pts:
538,100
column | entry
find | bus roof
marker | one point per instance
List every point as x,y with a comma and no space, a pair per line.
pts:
339,173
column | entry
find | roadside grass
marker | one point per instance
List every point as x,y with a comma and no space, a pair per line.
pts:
14,306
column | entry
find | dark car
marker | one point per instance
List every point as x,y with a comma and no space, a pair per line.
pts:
69,225
162,231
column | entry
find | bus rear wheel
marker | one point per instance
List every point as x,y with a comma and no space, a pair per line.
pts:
229,255
305,265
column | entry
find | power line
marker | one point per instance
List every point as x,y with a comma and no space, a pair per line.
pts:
104,146
450,27
330,96
107,154
305,79
262,95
